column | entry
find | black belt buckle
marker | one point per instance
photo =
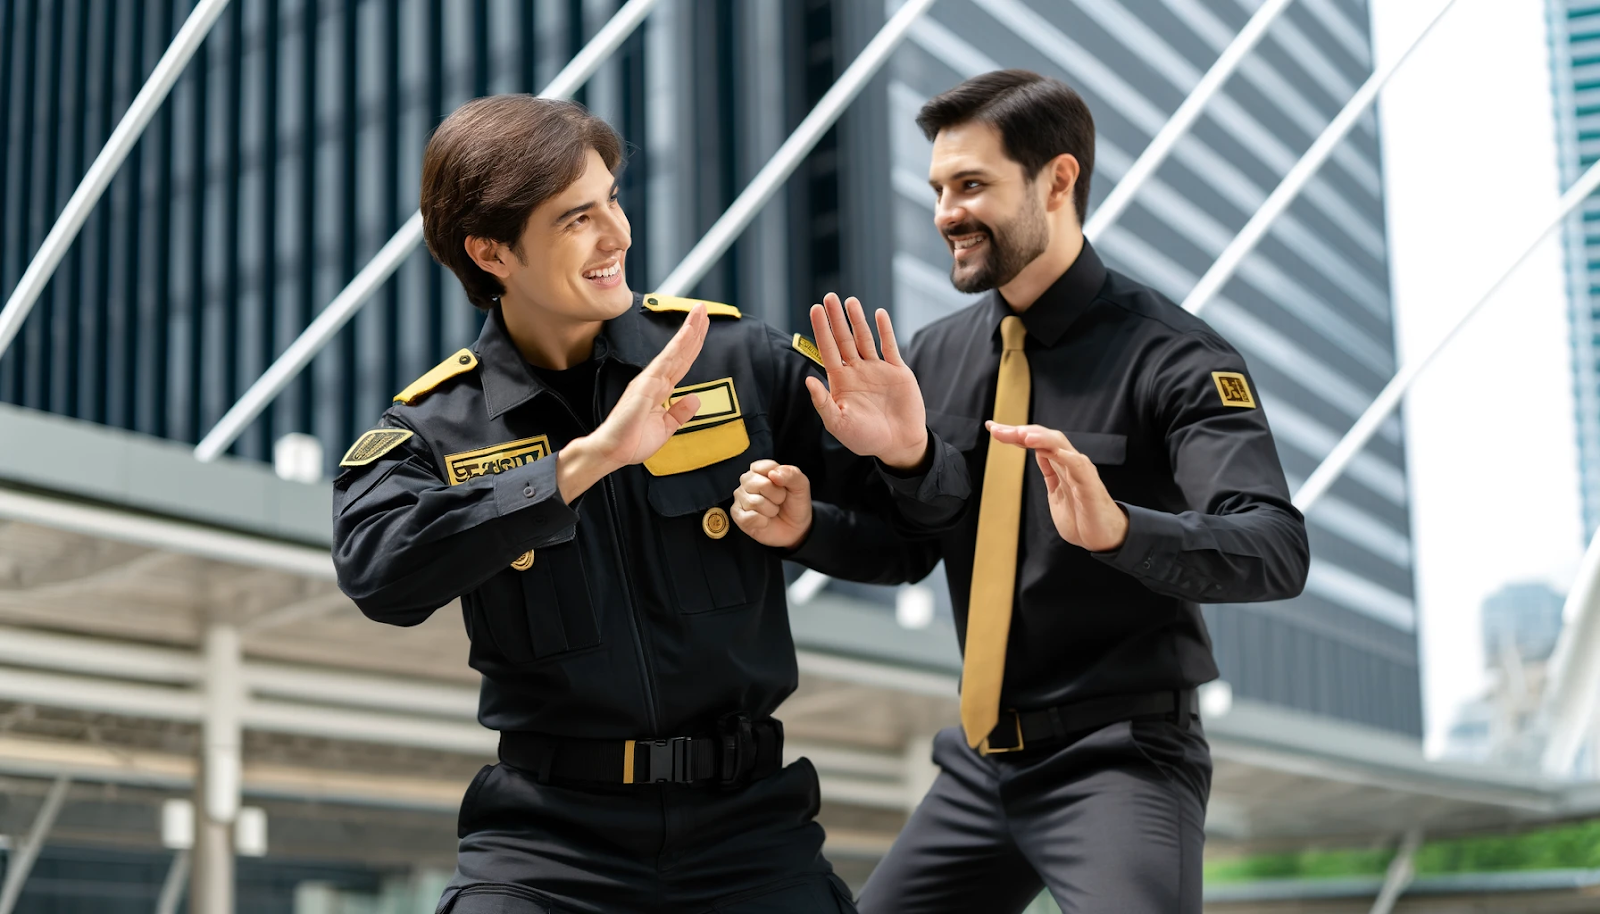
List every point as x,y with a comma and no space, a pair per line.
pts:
669,760
987,747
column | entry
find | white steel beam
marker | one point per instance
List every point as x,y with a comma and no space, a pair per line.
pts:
22,860
1389,398
1227,263
1401,871
1149,161
393,253
105,165
161,533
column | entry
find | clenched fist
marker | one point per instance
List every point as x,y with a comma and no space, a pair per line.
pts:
773,504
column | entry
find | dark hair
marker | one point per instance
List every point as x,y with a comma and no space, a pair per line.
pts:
491,163
1038,118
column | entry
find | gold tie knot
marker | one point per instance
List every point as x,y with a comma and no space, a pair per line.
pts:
1012,333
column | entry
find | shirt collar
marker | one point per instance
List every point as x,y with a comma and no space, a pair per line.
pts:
508,382
1049,318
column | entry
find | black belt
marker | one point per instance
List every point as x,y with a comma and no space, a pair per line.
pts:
742,751
1020,730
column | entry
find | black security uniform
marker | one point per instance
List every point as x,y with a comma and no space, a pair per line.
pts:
634,644
1105,801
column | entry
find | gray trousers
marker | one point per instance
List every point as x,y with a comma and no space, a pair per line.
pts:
1113,822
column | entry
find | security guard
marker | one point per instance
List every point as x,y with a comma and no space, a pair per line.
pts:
1154,485
568,478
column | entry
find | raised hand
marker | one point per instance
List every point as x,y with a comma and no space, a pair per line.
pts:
1083,511
642,420
773,504
871,404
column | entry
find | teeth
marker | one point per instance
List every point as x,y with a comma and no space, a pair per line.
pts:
606,273
965,241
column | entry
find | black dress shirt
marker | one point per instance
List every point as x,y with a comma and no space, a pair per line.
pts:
1132,380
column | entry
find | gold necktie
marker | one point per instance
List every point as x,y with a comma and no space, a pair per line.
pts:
994,565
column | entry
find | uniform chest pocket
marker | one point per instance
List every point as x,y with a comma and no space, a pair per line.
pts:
539,606
711,565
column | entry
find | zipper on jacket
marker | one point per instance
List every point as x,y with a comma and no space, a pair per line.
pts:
647,671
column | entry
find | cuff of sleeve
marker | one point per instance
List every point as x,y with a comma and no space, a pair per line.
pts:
938,481
824,521
530,493
1153,542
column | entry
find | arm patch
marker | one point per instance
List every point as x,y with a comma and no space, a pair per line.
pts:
372,445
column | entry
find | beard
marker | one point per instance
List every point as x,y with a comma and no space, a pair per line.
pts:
1012,247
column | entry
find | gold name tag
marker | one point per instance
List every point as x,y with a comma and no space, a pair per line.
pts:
715,433
496,458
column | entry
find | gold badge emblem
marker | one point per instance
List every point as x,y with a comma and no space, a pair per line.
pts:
1234,389
718,403
496,458
524,561
808,349
715,523
372,445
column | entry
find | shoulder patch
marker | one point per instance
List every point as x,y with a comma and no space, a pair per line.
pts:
460,363
654,302
1234,389
372,445
808,349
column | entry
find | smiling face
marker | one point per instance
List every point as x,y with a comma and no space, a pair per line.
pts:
991,213
568,263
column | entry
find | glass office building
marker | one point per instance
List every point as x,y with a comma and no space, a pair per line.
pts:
1575,70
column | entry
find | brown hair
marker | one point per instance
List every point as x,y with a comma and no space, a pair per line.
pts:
490,164
1038,118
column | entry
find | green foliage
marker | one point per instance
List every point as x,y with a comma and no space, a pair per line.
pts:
1575,846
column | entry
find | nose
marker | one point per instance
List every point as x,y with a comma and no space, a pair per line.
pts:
946,214
616,234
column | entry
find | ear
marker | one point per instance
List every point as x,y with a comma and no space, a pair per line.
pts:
1060,176
490,256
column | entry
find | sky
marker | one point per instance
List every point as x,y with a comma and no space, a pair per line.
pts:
1471,177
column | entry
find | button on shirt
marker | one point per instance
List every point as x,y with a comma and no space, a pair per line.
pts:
1155,398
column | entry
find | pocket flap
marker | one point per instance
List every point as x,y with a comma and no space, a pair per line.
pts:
701,447
1102,448
698,485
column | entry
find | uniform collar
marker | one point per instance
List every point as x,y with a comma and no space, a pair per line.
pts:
1063,303
508,381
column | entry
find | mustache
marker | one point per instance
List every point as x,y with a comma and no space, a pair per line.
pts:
967,228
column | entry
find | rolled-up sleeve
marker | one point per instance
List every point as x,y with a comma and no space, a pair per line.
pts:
1241,539
406,543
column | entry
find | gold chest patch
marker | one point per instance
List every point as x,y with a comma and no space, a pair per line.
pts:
715,433
1234,389
496,458
372,445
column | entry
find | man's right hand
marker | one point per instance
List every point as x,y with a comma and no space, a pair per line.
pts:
773,504
642,420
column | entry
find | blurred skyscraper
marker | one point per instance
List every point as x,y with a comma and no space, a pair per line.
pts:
1523,618
1575,69
1310,309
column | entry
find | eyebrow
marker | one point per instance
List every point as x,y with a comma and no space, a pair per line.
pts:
582,208
964,173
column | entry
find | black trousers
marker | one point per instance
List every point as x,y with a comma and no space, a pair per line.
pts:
532,848
1113,822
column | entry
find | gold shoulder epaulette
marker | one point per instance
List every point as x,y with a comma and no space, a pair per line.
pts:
460,363
653,302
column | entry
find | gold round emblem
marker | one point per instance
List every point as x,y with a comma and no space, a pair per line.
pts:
715,523
523,561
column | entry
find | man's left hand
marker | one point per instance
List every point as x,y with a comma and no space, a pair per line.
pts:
1084,512
871,404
